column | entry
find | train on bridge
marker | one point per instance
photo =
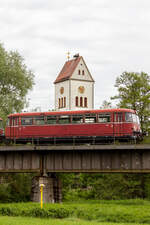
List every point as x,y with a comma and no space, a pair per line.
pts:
86,126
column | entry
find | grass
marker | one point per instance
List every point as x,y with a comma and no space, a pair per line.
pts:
5,220
92,212
146,140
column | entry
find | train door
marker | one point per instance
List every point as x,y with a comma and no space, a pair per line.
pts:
11,127
14,127
118,124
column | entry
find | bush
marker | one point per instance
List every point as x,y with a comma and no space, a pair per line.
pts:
59,213
35,212
7,211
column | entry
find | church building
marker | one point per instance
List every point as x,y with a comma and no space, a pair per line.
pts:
74,86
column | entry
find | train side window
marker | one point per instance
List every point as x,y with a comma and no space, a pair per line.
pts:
118,117
11,121
51,119
15,121
64,119
90,118
104,118
26,120
39,120
77,119
128,117
8,122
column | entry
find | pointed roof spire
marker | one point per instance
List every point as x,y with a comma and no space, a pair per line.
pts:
68,69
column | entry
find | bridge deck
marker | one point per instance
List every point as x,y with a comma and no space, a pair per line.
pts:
73,147
83,158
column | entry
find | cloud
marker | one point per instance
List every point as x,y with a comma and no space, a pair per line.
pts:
112,36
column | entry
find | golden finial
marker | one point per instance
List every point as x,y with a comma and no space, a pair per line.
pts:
68,55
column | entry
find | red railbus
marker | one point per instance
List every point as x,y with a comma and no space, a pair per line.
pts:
85,125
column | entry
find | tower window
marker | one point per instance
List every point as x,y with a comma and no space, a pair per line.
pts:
59,103
85,102
64,102
76,100
81,102
79,72
82,72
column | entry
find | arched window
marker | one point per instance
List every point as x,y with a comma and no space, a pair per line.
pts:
59,103
81,102
77,104
79,72
64,102
82,72
85,102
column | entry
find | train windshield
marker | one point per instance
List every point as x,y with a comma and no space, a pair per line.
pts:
131,117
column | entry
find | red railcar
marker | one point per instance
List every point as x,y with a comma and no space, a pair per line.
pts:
85,125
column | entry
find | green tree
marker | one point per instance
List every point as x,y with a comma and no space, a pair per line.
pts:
106,105
134,92
15,187
15,82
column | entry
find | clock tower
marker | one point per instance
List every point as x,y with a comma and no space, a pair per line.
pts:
74,86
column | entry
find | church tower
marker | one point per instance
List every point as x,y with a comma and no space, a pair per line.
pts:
74,86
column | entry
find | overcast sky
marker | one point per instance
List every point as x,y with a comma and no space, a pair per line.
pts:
113,36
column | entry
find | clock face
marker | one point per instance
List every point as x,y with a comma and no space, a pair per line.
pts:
61,90
81,89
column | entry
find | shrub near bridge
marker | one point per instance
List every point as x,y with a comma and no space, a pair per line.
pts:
33,210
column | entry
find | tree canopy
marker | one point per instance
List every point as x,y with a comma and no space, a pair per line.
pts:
134,92
15,82
106,105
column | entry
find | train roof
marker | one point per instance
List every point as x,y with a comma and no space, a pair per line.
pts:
71,112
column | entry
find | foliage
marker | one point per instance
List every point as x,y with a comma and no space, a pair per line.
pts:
16,187
15,82
134,92
106,105
104,186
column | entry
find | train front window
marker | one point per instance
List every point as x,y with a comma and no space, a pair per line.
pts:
51,119
64,119
90,118
26,121
39,120
77,119
134,118
104,118
137,119
128,117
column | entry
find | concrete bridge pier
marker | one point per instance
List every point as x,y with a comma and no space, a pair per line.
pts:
52,191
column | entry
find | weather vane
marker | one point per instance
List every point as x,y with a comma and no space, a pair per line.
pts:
68,55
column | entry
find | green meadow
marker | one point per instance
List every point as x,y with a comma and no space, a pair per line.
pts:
88,212
5,220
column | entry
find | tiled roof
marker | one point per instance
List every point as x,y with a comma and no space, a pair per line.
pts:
67,70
